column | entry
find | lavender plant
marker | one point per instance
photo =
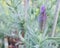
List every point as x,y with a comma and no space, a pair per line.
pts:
21,15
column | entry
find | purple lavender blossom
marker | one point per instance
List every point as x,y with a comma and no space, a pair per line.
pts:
42,9
42,17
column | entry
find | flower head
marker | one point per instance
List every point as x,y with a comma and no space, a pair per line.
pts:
42,18
42,9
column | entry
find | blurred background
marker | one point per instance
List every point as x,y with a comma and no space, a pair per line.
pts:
29,23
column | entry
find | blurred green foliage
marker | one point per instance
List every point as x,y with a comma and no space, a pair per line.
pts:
12,16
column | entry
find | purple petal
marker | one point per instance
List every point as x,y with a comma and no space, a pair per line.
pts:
42,9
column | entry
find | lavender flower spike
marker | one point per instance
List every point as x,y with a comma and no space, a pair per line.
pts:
42,18
42,9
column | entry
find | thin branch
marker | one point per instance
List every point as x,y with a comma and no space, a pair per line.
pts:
55,18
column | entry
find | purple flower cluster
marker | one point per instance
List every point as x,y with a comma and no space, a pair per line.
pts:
42,9
42,17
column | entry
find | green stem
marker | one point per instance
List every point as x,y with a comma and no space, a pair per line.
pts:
55,18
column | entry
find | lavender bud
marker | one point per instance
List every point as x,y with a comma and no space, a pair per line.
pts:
42,18
42,9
